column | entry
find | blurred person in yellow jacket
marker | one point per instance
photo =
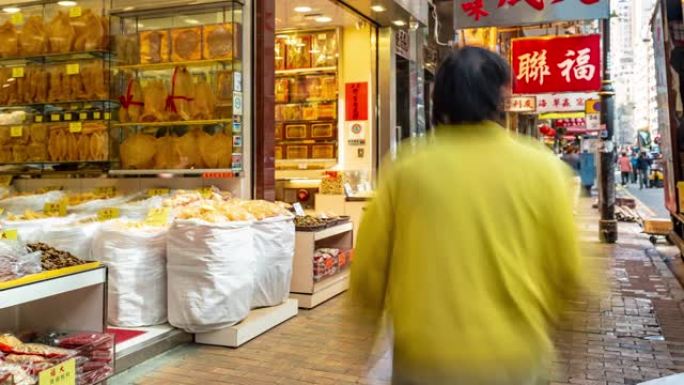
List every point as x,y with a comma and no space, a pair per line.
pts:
470,244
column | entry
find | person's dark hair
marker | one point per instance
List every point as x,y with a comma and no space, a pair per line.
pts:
469,87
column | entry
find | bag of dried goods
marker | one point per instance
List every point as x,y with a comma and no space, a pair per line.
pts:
20,376
138,151
137,208
33,38
274,244
16,261
136,257
61,33
75,238
210,269
35,202
33,230
9,40
89,31
187,44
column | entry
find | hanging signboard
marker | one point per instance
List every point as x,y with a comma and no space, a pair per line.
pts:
556,64
566,102
488,13
356,101
523,103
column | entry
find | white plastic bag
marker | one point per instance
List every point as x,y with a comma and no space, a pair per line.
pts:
210,274
75,238
274,244
136,259
35,202
137,210
33,230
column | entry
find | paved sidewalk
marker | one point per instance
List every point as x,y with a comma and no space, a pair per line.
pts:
631,333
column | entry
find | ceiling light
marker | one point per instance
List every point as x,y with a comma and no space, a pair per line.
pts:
192,21
303,9
11,10
399,23
378,8
323,19
66,3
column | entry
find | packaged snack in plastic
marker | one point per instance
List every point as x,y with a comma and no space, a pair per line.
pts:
86,341
8,342
20,376
43,350
95,376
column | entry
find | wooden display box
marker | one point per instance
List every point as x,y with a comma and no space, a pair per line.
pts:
304,288
657,226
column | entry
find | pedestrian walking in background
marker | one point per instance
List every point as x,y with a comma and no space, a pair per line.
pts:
625,165
571,157
642,167
471,275
635,172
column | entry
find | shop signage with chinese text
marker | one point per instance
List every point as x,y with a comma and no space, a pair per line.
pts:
566,102
488,13
356,101
556,64
523,103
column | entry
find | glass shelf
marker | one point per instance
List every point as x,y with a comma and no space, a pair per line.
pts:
172,65
203,172
55,57
60,105
306,71
310,102
176,123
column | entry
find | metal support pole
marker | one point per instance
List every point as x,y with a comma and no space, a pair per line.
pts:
607,224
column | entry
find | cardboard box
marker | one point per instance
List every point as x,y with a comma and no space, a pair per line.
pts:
657,226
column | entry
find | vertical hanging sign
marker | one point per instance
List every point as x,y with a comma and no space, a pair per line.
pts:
356,101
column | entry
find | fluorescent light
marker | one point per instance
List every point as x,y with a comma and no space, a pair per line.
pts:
66,3
378,8
399,23
303,9
11,9
323,19
192,21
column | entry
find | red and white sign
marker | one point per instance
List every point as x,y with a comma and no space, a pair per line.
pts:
522,103
556,64
567,102
356,101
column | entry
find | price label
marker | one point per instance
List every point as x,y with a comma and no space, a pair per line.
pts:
5,180
206,191
17,18
157,216
108,214
16,131
107,116
67,116
299,210
73,69
62,374
157,191
57,209
83,116
75,127
18,72
55,117
97,115
108,191
52,188
9,234
38,119
75,11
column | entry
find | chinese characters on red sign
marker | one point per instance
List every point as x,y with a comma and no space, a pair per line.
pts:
356,101
556,64
477,9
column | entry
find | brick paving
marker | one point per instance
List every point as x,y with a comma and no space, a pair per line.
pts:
632,332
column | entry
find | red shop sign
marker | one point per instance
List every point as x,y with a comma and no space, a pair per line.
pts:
356,101
556,64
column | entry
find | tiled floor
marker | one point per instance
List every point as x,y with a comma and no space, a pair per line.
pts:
632,332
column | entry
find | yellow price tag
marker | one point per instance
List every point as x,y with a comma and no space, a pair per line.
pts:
157,191
67,116
157,217
55,117
51,188
97,115
107,116
38,119
75,11
73,69
5,180
62,374
16,131
18,72
10,235
108,191
83,116
206,191
17,18
87,106
108,214
75,127
55,208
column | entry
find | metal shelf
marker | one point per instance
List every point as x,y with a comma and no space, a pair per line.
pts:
175,123
104,102
204,172
55,57
307,71
172,65
50,287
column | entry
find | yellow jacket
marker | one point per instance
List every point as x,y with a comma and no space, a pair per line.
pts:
471,247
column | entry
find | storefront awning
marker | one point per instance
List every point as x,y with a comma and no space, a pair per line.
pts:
561,115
